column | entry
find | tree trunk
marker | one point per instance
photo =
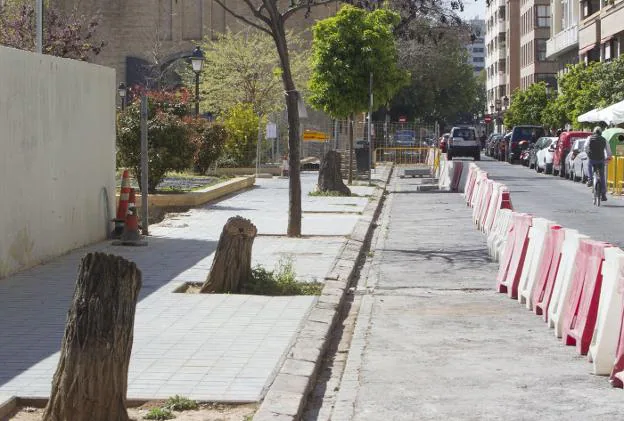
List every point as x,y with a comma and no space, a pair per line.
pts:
350,180
330,177
91,378
231,266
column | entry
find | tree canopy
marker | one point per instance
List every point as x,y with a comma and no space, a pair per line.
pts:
527,106
234,71
348,47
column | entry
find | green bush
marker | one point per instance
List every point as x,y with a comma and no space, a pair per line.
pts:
281,281
241,123
169,147
208,141
180,403
159,414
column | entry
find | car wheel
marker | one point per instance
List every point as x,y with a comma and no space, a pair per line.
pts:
449,156
548,168
477,156
562,171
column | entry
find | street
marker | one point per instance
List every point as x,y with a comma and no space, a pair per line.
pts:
560,200
434,341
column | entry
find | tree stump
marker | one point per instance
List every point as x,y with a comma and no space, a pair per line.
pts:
91,378
330,178
231,266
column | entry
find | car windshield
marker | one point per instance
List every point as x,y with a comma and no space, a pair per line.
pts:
404,136
580,144
546,142
466,134
528,133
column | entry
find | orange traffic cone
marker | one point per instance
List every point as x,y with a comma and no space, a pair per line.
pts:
122,209
131,235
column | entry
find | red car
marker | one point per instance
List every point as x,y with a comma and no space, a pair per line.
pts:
566,140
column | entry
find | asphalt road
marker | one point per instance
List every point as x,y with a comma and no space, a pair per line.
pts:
560,200
435,341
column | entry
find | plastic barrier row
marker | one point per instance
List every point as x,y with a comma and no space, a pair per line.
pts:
574,283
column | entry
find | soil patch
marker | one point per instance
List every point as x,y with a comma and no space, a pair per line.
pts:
206,412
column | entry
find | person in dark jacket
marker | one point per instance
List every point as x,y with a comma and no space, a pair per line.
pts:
597,149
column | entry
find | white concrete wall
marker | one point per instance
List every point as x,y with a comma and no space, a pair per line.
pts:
57,156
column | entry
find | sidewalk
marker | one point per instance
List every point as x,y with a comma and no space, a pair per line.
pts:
434,341
208,347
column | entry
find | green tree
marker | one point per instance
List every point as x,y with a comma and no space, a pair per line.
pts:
578,90
241,123
610,82
346,49
235,73
527,106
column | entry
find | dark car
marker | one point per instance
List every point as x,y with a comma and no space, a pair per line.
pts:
529,134
490,143
501,147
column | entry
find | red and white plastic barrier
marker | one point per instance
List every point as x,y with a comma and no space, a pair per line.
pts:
535,251
498,235
513,259
602,351
547,273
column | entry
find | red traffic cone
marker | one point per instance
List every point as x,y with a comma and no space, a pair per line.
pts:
131,235
122,209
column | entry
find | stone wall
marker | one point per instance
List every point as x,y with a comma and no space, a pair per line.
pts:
57,156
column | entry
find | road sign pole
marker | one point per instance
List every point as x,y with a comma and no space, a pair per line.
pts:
370,124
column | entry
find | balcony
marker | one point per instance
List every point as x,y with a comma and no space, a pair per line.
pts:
502,26
562,42
502,53
501,79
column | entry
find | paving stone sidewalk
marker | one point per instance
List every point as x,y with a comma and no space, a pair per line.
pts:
207,347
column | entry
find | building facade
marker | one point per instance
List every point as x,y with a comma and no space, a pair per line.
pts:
563,44
476,49
535,23
601,30
148,33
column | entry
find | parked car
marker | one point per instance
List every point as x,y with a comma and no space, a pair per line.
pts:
463,142
490,143
404,138
544,156
532,151
578,165
564,145
443,142
513,149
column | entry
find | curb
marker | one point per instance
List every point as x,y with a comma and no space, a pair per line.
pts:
288,394
199,197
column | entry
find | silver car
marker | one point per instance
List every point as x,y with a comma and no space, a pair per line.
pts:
578,161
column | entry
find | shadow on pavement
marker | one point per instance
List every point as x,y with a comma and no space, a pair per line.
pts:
34,303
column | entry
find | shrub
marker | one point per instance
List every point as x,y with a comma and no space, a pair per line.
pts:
159,414
241,123
281,281
208,140
169,147
180,403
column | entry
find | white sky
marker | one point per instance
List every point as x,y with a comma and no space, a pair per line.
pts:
473,8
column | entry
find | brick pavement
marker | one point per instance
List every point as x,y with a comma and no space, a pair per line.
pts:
207,347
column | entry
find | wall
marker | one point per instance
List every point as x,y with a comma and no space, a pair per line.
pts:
57,156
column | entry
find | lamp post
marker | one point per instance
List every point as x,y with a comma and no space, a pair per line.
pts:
121,90
497,106
197,61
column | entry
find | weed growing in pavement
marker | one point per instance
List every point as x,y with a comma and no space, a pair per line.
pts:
159,414
180,403
281,281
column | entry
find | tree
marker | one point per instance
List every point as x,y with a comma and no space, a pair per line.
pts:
235,73
70,36
169,138
527,106
241,123
578,90
91,379
270,16
208,141
346,49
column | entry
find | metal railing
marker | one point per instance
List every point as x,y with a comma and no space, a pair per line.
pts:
615,175
402,155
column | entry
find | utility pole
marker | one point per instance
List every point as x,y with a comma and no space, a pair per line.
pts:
39,27
144,165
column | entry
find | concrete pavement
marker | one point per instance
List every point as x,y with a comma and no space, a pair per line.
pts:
208,347
434,341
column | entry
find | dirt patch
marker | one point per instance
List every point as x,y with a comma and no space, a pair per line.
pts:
206,412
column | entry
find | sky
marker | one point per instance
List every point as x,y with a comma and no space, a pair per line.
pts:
473,8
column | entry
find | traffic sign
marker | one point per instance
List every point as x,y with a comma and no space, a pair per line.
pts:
487,119
314,136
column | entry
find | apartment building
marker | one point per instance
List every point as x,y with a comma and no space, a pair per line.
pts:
601,30
563,45
476,49
535,22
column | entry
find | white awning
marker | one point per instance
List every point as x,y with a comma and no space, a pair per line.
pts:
613,114
590,116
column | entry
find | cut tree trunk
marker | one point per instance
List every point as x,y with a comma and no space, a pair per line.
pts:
330,177
91,378
231,266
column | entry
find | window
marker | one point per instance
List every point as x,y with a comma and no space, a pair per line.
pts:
540,49
543,16
478,50
609,50
478,59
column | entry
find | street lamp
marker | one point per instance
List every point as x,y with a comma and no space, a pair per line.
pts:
197,61
121,91
506,101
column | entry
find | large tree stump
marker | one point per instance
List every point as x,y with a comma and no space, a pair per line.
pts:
91,378
231,266
330,179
